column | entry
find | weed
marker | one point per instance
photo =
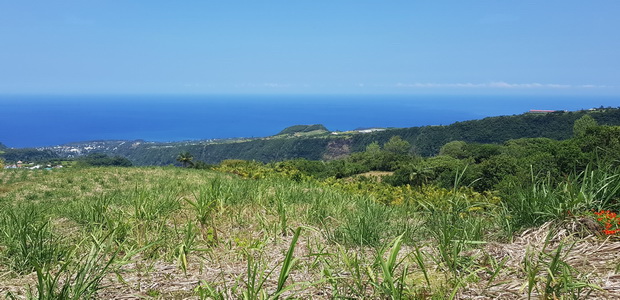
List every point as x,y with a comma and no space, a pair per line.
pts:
392,283
209,201
79,280
365,226
29,240
551,277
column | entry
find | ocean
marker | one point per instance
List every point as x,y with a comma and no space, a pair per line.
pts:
34,121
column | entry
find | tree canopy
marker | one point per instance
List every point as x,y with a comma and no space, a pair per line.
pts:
27,154
397,145
582,125
103,160
302,128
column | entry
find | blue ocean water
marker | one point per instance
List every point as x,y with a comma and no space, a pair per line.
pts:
32,121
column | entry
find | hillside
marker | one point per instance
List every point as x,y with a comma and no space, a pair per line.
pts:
304,129
27,154
289,143
425,140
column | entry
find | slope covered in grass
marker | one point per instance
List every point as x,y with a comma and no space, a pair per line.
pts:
183,233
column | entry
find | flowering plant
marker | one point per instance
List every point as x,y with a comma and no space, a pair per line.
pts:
610,221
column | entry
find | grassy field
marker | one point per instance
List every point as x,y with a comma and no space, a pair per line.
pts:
173,233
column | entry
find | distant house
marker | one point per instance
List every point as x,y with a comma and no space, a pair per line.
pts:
19,164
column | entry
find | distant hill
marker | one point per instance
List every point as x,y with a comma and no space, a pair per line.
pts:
295,142
296,129
2,146
428,139
27,154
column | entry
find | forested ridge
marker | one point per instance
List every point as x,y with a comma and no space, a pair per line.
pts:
428,140
27,154
425,141
263,150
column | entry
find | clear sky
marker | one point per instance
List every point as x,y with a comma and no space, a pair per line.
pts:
310,47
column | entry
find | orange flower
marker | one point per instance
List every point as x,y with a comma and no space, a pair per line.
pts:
610,220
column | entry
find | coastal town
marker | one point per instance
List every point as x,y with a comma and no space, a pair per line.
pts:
31,166
76,149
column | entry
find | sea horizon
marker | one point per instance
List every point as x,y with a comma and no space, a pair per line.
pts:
48,120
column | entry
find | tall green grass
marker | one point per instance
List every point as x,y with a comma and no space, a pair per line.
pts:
77,277
29,240
367,224
545,199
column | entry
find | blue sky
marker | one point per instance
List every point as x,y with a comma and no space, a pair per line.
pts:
310,47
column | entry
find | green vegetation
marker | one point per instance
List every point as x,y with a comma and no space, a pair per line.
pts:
185,158
103,160
512,220
428,140
299,129
312,142
582,125
27,154
264,150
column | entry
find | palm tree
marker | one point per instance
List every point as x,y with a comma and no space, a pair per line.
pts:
185,158
418,175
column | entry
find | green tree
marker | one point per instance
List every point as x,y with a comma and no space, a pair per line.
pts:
496,169
397,145
373,148
185,158
602,142
481,152
582,125
454,149
445,169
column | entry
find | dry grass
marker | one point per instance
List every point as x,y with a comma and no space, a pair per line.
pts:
595,258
